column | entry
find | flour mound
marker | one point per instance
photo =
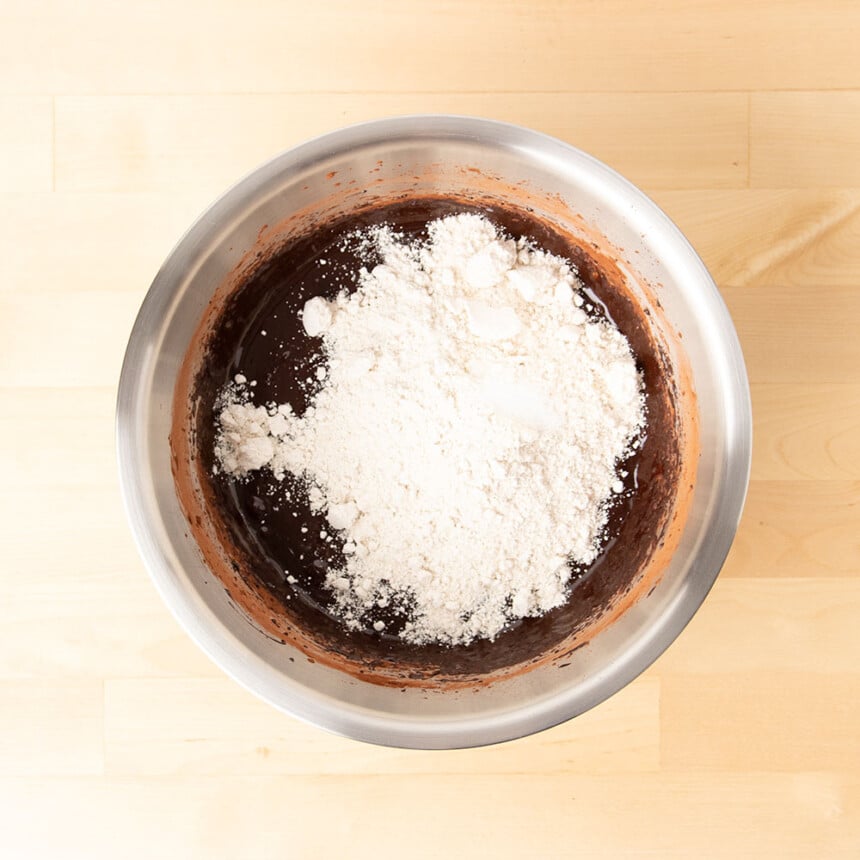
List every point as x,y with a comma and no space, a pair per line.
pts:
465,440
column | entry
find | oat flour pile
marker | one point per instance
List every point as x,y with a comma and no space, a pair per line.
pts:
465,440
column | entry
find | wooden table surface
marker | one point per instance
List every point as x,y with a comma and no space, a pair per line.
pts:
120,122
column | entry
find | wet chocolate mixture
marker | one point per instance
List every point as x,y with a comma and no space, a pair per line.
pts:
259,334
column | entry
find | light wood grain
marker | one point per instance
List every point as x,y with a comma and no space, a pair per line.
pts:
103,242
806,430
70,510
728,815
87,331
51,633
26,143
798,529
134,143
802,334
770,624
51,727
181,726
784,721
78,601
800,139
120,122
751,237
80,456
334,45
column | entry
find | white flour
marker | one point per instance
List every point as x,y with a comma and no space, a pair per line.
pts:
465,440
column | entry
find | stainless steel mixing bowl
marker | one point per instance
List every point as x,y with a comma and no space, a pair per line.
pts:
330,698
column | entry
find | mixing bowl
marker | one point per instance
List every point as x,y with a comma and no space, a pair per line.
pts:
457,156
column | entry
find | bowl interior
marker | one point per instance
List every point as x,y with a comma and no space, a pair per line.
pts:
452,156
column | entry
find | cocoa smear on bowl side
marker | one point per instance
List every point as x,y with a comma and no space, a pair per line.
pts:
643,531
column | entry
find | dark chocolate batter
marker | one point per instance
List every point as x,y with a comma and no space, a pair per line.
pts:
259,334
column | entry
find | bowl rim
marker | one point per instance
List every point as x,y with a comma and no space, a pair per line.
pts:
250,669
